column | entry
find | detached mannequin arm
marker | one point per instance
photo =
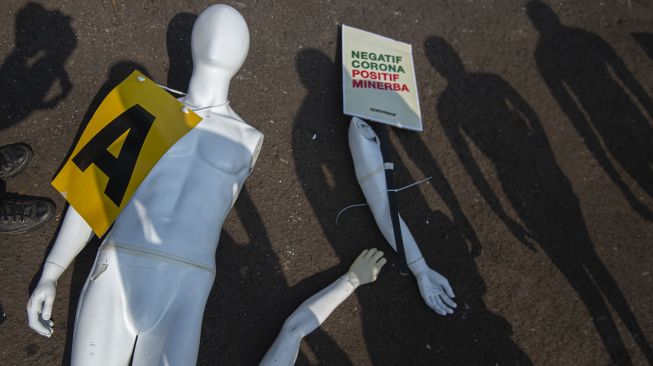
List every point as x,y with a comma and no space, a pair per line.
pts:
73,236
434,287
318,307
368,163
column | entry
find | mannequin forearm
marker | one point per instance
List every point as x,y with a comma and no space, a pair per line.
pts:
306,319
318,307
73,236
322,304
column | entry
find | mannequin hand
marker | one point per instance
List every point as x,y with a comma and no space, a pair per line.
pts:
366,267
435,289
39,308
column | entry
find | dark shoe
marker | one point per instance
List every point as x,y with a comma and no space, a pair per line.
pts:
20,214
13,159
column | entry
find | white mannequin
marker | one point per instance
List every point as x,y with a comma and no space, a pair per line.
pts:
155,268
318,307
368,162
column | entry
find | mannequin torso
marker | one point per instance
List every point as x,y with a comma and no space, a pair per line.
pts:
179,208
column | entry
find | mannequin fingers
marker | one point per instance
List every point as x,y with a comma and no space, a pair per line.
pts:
370,253
432,304
448,301
40,329
363,254
33,306
376,256
376,268
32,317
441,304
447,288
35,323
47,308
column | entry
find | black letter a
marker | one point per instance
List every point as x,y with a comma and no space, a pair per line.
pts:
137,121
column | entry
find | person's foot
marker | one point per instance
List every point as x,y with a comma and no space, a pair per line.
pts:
13,159
20,214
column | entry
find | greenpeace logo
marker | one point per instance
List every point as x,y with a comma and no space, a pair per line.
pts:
382,112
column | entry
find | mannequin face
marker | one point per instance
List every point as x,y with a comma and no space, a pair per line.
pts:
220,39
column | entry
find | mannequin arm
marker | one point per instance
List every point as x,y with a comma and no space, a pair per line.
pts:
435,288
72,238
318,307
365,150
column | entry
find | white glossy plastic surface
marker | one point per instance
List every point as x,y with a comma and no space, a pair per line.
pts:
365,150
156,266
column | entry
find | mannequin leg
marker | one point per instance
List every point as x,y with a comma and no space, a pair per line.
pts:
103,335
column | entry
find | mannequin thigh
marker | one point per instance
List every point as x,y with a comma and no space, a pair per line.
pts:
103,335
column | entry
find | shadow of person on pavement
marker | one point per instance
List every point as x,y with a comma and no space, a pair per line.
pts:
44,41
645,41
484,109
600,96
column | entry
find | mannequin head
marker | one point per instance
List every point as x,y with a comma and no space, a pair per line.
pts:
219,46
220,39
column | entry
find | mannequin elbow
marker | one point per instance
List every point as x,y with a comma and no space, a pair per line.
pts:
293,330
299,324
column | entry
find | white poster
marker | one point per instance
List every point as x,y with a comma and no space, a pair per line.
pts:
378,78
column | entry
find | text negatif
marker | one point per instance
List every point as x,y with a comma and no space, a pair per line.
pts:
385,76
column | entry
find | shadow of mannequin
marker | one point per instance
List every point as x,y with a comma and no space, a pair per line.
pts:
486,110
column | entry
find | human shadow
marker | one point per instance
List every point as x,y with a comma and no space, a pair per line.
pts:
485,109
251,298
44,40
598,93
645,41
452,247
419,154
398,327
473,335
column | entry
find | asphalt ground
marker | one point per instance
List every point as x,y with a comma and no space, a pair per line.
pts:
537,132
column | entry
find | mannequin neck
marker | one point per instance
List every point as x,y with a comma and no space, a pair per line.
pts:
209,86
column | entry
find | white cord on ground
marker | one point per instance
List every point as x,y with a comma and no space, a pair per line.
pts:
387,190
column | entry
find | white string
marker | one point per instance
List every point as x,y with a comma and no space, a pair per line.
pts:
347,208
408,186
387,190
184,94
172,90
